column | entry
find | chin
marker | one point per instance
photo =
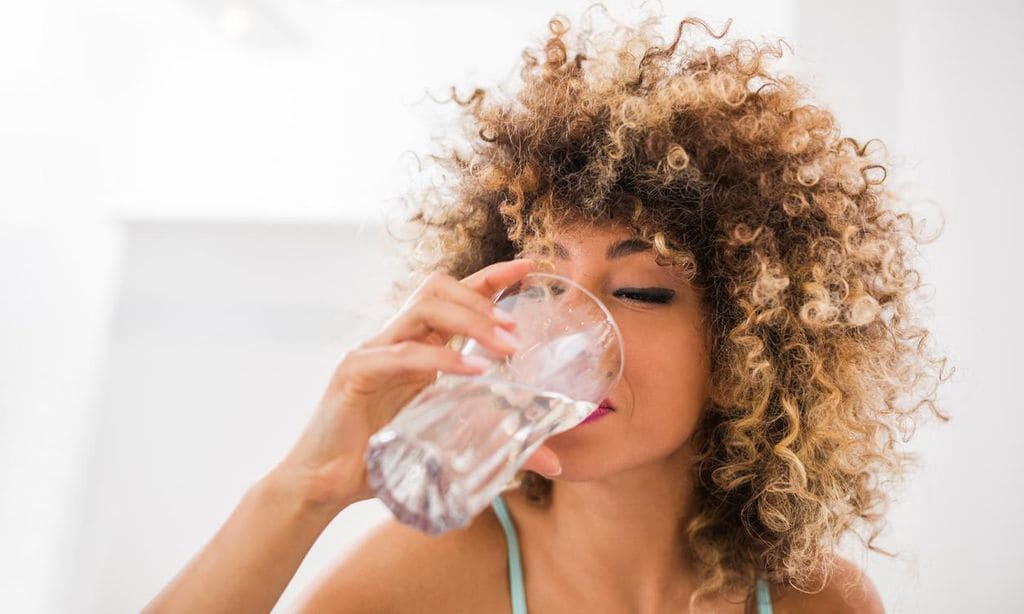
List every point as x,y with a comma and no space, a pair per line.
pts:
575,470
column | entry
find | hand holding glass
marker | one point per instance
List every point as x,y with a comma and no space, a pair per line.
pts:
453,448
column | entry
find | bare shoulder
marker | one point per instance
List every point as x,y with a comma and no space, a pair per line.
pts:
848,591
396,568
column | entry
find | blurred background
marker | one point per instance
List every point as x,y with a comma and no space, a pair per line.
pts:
193,196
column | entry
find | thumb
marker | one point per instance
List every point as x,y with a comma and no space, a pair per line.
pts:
544,461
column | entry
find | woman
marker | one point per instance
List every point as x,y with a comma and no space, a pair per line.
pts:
758,272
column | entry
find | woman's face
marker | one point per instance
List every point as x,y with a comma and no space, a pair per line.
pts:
664,383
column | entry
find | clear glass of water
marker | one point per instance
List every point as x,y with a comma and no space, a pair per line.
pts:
452,449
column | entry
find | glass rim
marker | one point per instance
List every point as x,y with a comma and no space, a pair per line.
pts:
588,293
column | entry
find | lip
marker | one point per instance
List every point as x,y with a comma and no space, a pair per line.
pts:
597,414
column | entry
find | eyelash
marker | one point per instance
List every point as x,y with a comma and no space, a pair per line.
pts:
662,297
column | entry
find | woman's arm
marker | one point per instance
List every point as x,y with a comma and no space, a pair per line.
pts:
253,556
251,559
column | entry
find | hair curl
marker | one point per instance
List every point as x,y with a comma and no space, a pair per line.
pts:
817,367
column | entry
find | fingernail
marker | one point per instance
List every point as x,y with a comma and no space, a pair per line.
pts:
556,471
503,316
506,337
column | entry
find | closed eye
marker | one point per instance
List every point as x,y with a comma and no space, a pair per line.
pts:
647,295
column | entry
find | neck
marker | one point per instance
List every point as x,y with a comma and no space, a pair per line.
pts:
624,534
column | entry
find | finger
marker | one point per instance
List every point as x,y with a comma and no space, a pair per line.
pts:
447,287
490,279
434,314
486,282
544,461
364,368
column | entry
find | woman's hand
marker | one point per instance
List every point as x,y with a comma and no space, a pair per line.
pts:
250,560
377,378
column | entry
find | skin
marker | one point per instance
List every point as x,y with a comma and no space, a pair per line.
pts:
624,493
617,502
616,506
248,563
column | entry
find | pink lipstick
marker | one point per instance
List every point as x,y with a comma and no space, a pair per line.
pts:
602,410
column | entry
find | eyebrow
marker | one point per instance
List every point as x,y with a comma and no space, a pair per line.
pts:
617,250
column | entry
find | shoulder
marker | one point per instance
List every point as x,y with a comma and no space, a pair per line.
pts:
849,591
396,568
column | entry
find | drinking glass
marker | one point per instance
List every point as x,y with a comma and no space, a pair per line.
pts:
454,446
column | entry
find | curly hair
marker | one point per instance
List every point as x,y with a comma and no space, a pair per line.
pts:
819,371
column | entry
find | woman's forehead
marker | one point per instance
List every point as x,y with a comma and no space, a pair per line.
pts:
577,234
615,245
607,242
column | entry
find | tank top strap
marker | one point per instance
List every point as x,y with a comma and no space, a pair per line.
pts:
764,597
515,568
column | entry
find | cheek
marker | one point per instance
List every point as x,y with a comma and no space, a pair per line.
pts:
668,374
664,385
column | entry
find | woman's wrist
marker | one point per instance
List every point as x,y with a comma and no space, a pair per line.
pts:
304,492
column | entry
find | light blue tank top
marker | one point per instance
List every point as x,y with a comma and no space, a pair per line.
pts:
515,567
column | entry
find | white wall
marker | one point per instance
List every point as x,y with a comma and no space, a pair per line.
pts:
223,338
190,194
59,283
941,84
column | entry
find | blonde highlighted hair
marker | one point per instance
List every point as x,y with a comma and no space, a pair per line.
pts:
803,257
